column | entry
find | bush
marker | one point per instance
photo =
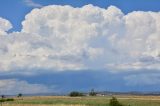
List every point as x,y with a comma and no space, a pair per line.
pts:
114,102
75,93
4,100
9,99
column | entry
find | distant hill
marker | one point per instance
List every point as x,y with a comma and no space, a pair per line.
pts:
128,93
99,93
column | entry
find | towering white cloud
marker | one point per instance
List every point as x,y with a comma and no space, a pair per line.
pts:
67,38
141,40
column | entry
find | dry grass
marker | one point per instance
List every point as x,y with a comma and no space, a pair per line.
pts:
39,105
131,100
118,96
133,97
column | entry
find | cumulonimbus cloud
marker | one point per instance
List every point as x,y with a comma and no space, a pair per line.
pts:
67,38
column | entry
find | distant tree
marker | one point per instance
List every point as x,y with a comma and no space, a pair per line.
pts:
2,99
75,94
2,96
114,102
92,93
19,95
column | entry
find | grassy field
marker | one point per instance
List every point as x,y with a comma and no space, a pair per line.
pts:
83,101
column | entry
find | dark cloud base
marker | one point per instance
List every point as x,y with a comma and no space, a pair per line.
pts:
100,80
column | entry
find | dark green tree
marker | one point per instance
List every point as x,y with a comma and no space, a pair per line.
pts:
2,99
75,94
19,95
2,96
92,93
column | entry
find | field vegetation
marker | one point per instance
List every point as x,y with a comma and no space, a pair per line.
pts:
83,101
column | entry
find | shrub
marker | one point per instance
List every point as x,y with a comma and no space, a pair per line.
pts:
9,99
114,102
2,100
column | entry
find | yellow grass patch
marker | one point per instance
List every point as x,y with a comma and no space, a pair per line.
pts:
39,105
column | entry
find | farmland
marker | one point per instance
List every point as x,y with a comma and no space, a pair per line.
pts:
83,101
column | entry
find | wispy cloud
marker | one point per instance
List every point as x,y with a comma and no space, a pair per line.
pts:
31,3
14,86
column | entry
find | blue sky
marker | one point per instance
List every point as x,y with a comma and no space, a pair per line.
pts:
112,45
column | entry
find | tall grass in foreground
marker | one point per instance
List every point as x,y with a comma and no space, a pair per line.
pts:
39,105
83,101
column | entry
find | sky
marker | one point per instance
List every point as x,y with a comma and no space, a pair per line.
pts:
58,46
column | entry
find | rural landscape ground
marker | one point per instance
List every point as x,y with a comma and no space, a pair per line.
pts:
83,101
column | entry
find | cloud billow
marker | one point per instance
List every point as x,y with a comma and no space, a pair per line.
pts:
5,25
67,38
